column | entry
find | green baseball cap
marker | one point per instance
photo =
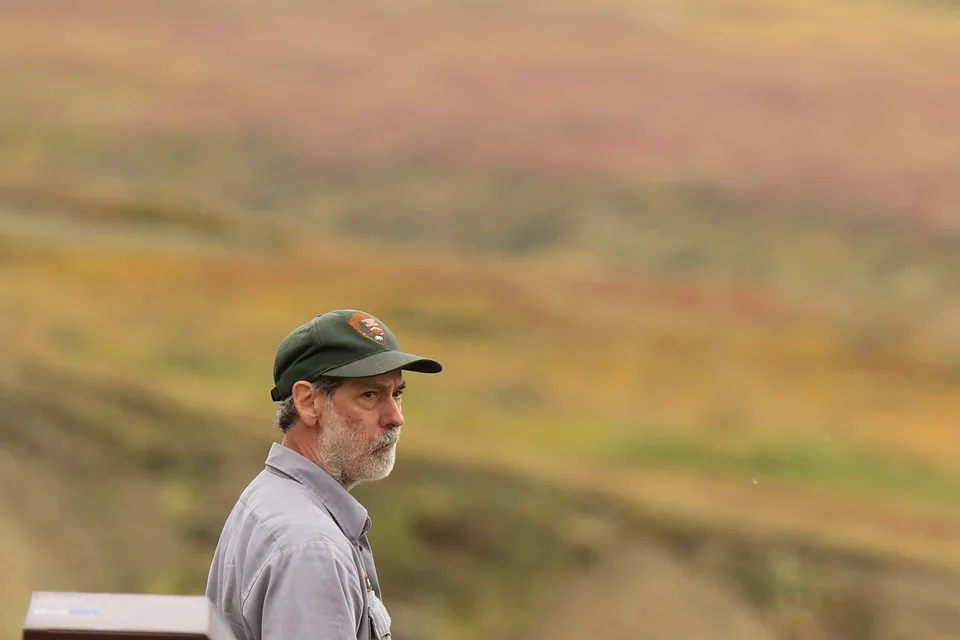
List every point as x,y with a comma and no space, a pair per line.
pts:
345,343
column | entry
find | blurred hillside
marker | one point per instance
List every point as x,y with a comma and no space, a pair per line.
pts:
692,269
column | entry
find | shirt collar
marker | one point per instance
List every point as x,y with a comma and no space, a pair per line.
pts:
349,514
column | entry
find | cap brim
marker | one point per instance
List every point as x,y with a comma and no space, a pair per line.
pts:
384,362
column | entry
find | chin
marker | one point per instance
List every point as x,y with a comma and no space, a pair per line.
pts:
386,467
381,465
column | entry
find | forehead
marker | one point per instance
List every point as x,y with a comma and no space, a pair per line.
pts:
390,379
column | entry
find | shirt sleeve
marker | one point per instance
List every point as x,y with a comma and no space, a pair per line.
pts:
308,591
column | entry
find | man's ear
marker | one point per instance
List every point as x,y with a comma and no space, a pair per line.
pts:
308,402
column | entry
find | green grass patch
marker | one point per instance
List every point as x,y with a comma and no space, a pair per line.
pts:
826,464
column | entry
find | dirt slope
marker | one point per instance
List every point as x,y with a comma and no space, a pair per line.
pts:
730,591
641,592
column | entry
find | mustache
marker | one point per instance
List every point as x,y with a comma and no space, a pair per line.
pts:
385,439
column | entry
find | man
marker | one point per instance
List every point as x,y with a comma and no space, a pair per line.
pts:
293,562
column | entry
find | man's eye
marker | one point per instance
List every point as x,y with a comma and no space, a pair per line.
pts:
397,395
370,395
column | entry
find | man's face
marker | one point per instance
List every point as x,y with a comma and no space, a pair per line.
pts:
359,429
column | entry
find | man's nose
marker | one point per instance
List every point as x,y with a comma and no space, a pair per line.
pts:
392,417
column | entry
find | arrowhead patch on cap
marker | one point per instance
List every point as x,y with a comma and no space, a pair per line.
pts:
367,326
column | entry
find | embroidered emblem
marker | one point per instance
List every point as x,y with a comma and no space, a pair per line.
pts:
368,326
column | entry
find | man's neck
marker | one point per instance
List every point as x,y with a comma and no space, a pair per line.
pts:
296,440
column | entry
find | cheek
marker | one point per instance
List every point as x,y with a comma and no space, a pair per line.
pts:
366,424
355,414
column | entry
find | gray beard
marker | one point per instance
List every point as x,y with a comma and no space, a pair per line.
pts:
345,453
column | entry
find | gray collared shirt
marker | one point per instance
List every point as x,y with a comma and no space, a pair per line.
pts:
293,561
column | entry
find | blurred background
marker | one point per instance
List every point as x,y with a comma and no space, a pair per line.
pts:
693,268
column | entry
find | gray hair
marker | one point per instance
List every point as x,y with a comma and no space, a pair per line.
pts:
287,413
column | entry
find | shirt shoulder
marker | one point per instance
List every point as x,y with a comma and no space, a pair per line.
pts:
279,536
291,514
